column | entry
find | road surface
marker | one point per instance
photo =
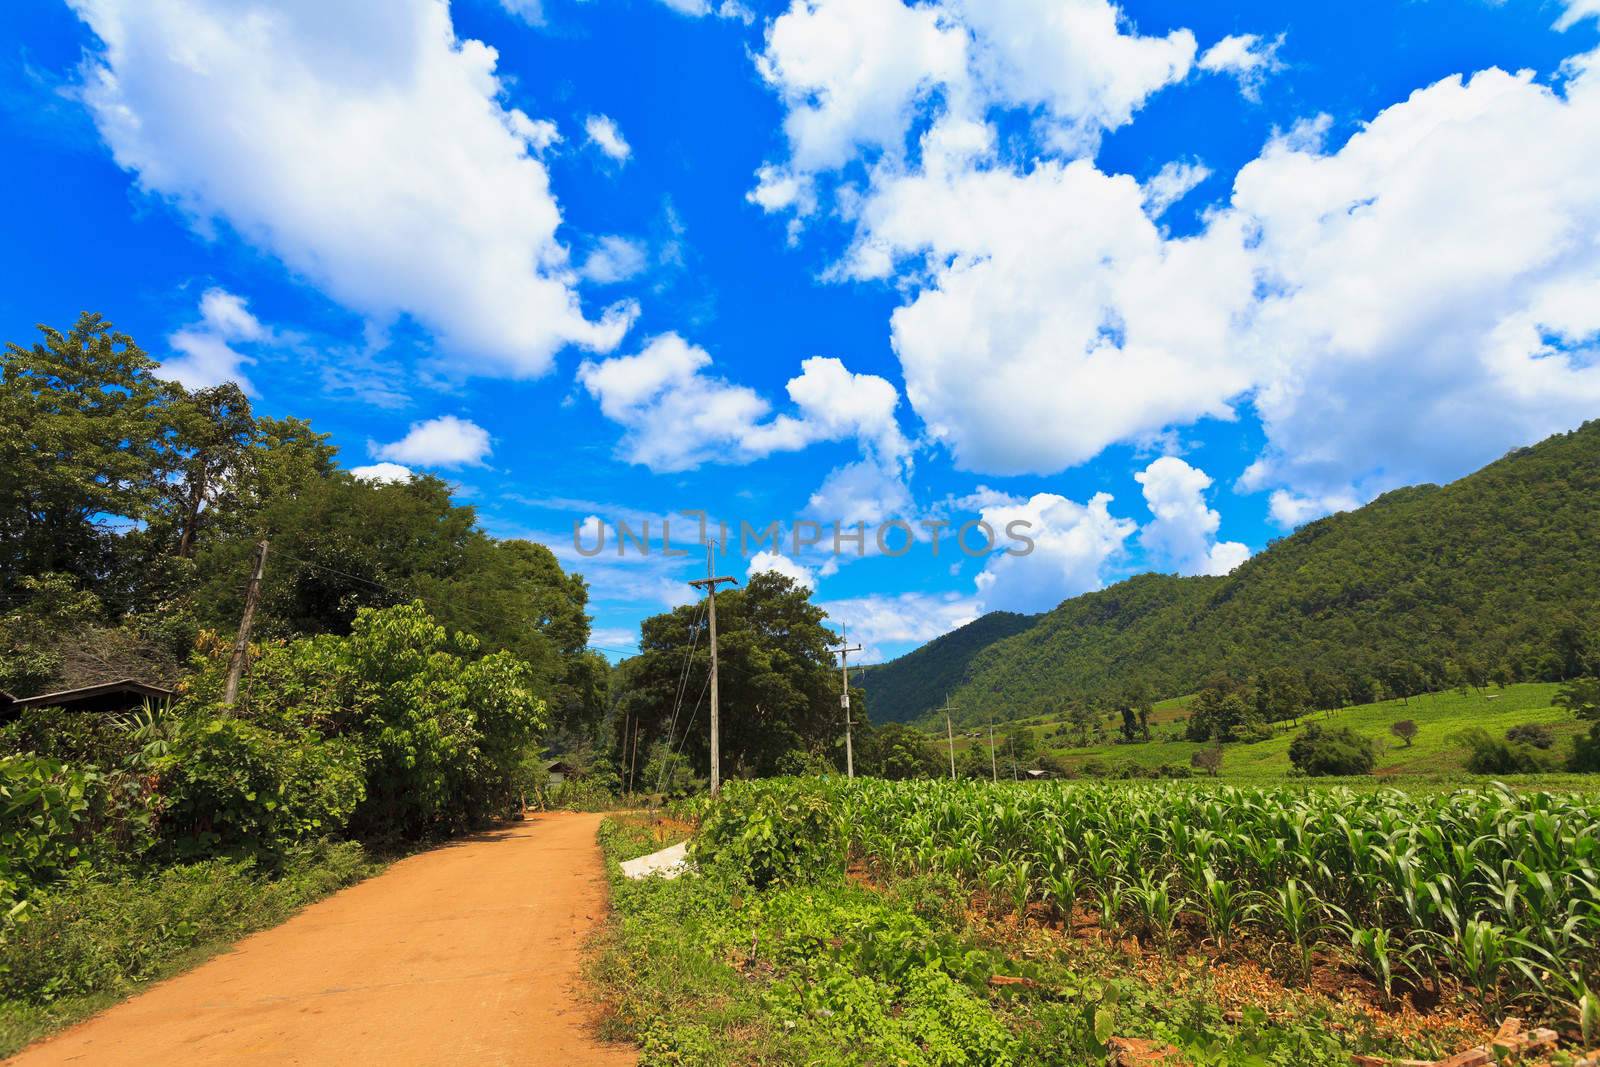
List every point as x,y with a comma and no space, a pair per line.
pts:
467,954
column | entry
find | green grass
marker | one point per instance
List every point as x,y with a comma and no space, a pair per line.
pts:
1432,755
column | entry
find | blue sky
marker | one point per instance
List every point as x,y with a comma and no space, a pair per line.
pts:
1159,281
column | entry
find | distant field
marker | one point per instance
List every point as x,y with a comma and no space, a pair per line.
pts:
1438,716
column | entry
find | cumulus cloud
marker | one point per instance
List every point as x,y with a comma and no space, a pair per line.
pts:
1055,317
1403,306
442,442
853,73
677,415
1246,58
778,563
604,135
206,353
1073,544
382,473
907,618
614,259
365,146
1182,532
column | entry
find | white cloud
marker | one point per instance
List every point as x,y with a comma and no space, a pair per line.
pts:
909,617
778,189
382,473
442,442
1401,307
604,135
1182,532
1290,509
529,11
778,563
1055,318
1172,183
207,356
1434,288
728,9
1076,58
365,146
1245,57
854,73
1072,545
614,259
850,71
1576,11
676,415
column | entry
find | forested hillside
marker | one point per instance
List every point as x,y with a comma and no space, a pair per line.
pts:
904,688
1496,575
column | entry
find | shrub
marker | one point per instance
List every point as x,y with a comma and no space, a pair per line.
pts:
1208,760
768,834
1405,730
1320,751
1489,755
229,786
42,802
444,734
1536,734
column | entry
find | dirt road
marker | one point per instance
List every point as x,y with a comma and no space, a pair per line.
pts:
468,954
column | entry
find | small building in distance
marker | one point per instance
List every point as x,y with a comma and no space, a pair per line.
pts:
116,697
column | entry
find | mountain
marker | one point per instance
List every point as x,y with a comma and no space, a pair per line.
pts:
1498,572
904,688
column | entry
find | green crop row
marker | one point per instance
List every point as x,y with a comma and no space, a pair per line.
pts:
1494,891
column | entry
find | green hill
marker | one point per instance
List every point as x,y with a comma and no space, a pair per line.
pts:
904,688
1494,575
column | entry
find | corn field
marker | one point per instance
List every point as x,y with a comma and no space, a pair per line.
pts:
1495,891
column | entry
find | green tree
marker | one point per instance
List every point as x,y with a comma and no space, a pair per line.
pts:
778,682
896,751
1334,750
85,439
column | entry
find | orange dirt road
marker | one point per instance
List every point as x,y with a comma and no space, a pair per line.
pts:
467,954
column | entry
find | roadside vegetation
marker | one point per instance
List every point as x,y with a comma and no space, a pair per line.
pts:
405,674
939,923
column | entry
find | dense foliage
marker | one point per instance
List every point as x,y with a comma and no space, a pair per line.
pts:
405,669
1337,751
1493,577
774,667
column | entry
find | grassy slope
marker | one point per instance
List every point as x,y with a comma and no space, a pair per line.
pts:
1438,717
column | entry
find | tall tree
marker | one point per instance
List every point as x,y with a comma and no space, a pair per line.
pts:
86,439
779,688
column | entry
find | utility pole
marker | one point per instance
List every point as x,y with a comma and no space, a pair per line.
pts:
844,698
950,735
709,584
241,646
994,772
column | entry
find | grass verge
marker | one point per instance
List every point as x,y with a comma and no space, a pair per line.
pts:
98,938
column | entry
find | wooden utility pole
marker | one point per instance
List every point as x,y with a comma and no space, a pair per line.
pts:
709,584
994,771
844,698
241,647
950,735
634,765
